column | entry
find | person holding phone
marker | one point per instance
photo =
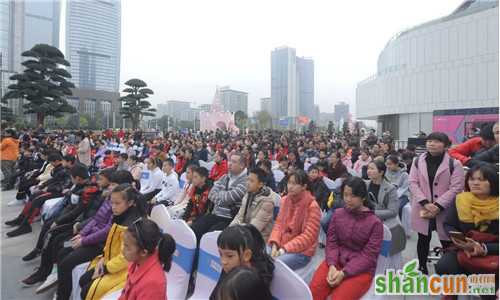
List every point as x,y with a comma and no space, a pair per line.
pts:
473,216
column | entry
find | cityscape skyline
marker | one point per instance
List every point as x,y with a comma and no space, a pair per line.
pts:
190,60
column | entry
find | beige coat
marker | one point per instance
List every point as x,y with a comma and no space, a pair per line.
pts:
259,213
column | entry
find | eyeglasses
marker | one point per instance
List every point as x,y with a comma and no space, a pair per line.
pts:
140,240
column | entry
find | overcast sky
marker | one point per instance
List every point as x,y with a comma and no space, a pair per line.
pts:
183,49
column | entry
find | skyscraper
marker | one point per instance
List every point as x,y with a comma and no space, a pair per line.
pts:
292,84
266,104
305,75
93,37
284,82
341,112
24,24
233,100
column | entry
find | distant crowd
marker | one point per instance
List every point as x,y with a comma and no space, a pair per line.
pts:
273,195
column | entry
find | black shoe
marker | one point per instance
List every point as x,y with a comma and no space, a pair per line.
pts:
424,270
34,278
23,229
15,222
32,255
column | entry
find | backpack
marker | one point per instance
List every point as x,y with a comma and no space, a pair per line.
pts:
451,163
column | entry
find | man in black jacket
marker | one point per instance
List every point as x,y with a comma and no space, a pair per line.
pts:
80,202
52,188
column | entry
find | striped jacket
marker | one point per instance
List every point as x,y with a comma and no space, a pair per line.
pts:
227,193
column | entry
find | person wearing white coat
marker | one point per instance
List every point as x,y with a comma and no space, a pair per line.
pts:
170,185
151,179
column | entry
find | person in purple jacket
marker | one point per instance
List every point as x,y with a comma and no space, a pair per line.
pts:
353,245
88,241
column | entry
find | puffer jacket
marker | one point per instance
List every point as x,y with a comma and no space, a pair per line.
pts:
354,240
115,264
257,209
97,228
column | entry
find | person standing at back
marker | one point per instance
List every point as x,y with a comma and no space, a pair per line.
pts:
435,179
9,151
84,149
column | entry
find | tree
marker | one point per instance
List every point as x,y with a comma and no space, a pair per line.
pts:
134,107
43,83
240,119
73,122
264,119
164,122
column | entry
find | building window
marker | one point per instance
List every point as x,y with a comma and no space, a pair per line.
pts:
89,107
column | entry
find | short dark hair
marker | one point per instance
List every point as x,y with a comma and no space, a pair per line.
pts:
261,174
312,168
358,187
69,158
80,170
489,172
124,156
440,137
121,177
486,132
202,171
169,161
54,156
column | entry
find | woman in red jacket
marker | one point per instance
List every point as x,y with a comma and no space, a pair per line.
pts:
295,233
220,167
150,256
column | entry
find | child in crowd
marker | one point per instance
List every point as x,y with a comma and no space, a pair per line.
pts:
150,255
243,245
108,272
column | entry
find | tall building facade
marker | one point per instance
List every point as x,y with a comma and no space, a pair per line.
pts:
233,100
305,76
341,112
450,63
93,37
266,105
24,24
292,84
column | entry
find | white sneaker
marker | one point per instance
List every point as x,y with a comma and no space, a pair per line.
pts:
50,282
15,202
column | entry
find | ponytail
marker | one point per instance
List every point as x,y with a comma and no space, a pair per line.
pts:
166,248
149,238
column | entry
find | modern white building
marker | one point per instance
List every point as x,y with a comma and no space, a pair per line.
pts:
448,63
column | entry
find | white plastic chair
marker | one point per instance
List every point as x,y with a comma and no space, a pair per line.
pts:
278,175
182,261
406,219
77,272
209,266
287,284
160,215
381,264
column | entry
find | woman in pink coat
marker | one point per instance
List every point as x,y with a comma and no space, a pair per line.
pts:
435,179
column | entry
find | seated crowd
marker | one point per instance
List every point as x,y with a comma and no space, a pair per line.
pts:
273,195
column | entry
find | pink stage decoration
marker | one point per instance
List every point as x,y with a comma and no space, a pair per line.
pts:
217,118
